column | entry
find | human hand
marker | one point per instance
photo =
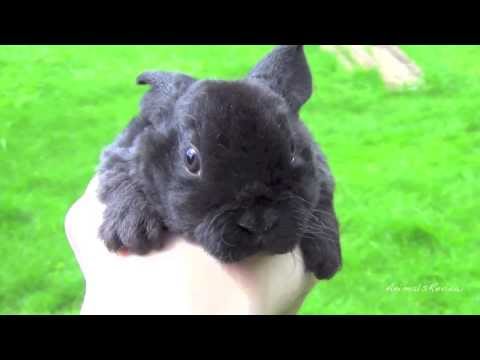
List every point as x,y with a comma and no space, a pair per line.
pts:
181,278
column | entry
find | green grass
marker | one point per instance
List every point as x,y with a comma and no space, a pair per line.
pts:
407,167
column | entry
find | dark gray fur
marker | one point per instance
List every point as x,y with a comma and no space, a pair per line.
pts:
250,196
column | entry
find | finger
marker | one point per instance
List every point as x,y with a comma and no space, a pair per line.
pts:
69,224
92,188
81,226
276,284
72,224
309,283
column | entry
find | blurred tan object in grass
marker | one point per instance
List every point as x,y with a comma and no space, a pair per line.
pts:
394,66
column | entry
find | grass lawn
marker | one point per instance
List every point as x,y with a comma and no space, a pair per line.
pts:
407,167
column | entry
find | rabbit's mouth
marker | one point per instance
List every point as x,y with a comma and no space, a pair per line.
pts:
230,237
228,254
251,245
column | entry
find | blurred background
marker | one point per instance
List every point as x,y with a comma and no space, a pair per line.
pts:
406,161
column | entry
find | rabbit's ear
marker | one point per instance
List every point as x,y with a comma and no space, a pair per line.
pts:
285,70
164,82
166,88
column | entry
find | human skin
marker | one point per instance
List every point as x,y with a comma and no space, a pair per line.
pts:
181,278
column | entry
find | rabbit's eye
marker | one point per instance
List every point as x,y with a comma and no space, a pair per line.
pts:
292,153
192,160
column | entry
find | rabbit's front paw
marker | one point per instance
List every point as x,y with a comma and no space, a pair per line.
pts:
321,256
133,230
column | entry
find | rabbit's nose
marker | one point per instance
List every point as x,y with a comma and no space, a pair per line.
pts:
248,222
258,222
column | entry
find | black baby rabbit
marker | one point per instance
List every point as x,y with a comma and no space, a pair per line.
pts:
228,164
